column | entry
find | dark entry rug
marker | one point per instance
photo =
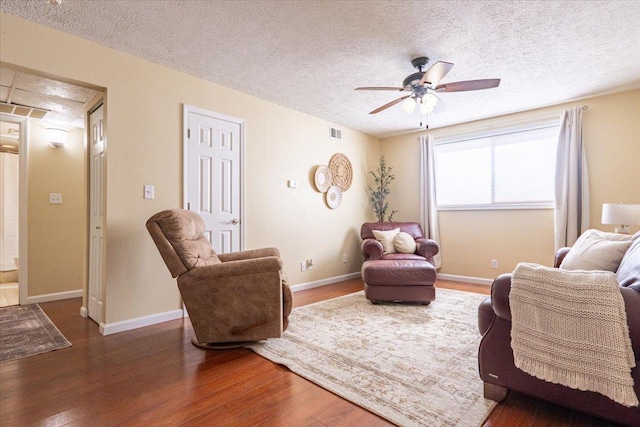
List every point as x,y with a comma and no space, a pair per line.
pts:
25,331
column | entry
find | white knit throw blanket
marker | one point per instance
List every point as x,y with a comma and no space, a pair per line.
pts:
570,328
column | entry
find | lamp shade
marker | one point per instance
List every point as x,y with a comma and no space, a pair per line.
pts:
625,215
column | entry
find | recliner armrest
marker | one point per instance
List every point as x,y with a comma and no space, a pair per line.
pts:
427,247
500,289
249,254
371,249
236,268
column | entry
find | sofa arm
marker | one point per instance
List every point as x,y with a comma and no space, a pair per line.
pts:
427,247
250,254
371,249
562,252
500,289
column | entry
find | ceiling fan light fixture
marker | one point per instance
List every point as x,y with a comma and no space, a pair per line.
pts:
409,105
430,100
426,109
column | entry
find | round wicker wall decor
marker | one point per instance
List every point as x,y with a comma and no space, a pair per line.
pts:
341,171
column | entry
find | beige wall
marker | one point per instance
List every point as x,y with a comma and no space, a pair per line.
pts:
144,140
470,239
57,233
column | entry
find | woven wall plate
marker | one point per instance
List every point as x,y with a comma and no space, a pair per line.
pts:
333,197
322,178
341,170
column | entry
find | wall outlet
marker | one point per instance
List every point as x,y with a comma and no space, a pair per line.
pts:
55,198
345,259
494,263
303,266
310,264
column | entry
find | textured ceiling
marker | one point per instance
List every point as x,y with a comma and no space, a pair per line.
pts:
63,102
310,55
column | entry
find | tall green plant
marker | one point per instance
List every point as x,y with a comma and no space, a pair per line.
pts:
382,178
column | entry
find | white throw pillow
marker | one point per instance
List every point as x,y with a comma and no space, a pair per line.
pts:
597,250
404,243
386,238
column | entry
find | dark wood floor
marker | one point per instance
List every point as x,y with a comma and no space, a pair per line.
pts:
154,376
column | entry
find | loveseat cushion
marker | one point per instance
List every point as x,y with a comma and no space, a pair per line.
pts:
597,250
628,274
404,243
385,237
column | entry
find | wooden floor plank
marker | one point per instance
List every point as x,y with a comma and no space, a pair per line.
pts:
155,376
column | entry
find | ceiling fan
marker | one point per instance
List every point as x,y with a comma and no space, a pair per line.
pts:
423,86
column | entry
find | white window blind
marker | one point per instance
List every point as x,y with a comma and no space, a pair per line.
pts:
505,169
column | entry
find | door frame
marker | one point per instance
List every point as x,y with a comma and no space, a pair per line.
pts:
23,203
188,109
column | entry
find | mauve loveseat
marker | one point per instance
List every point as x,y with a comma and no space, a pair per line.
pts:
496,361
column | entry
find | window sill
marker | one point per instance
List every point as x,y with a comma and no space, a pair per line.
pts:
497,207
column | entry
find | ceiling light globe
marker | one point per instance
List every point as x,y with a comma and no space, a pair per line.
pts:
426,109
430,100
409,105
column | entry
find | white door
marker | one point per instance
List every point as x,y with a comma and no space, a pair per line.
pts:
96,213
213,157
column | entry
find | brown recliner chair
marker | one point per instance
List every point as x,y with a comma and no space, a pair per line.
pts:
231,298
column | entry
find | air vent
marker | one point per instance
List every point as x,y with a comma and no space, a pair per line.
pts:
336,133
22,111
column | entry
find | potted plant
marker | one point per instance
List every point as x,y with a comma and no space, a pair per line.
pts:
382,178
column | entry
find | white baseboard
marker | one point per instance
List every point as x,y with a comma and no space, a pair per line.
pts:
323,282
84,312
466,279
139,322
55,297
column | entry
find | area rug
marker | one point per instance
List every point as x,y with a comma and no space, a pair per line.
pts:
25,330
413,365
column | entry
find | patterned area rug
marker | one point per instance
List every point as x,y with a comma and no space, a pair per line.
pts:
413,365
25,330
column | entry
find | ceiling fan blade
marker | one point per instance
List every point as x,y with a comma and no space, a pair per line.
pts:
436,72
468,85
380,88
390,104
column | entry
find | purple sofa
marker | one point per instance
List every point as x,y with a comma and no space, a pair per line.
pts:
495,357
407,277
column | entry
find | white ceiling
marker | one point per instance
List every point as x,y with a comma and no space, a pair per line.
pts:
310,55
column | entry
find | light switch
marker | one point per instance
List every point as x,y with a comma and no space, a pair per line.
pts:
148,191
292,184
55,198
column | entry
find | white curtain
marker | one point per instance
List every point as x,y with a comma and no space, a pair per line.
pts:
571,214
8,210
428,208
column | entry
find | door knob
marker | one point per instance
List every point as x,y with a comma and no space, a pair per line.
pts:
234,221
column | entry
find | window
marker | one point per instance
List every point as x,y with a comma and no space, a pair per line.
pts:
506,169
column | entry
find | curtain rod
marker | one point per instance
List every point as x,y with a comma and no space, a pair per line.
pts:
499,125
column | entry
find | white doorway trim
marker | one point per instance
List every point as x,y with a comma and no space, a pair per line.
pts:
23,203
188,109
